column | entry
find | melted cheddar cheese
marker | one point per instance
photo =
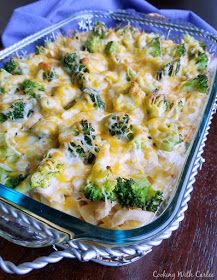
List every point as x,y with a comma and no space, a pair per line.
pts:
95,107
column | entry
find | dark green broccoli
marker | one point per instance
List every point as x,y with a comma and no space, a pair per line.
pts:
2,90
31,88
82,151
202,45
93,192
3,117
83,144
111,47
49,75
178,51
154,200
200,84
93,44
127,192
197,53
95,98
154,47
13,67
18,110
170,69
201,62
7,179
73,64
96,193
140,194
15,181
99,29
119,126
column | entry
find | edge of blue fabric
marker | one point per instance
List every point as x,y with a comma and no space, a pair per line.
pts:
43,13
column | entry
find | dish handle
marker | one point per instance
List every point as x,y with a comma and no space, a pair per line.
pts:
20,227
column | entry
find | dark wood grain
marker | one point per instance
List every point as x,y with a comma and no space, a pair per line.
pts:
192,248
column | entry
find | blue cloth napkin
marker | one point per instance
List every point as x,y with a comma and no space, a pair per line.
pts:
38,15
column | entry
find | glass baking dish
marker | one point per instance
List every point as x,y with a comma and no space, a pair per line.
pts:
31,223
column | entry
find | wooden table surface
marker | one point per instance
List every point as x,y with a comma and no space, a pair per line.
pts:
191,251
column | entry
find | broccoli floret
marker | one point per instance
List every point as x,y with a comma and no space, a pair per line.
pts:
3,118
154,201
2,90
82,151
73,64
156,106
154,47
15,180
170,69
8,179
18,110
99,29
96,193
49,75
196,52
200,84
201,62
48,170
119,126
93,44
4,176
93,192
95,98
83,144
111,47
13,67
127,192
31,88
179,51
140,194
202,45
94,41
165,134
7,154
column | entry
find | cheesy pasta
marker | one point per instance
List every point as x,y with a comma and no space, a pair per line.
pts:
97,125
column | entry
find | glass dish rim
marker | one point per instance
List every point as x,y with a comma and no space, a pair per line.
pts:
81,228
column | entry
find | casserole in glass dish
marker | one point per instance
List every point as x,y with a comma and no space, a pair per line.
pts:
30,223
